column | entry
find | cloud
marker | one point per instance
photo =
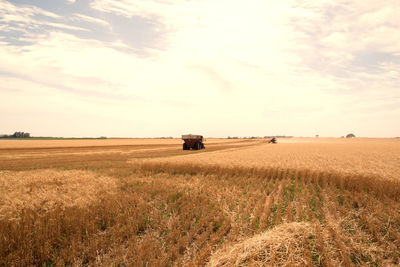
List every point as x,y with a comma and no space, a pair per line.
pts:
222,84
28,19
270,66
12,13
335,30
83,90
149,9
91,19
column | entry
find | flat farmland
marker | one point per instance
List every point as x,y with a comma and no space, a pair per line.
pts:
364,156
145,202
63,143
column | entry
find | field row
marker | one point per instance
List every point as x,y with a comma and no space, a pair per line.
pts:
161,214
378,158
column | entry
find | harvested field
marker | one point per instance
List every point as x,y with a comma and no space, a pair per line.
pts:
47,189
374,157
329,202
54,143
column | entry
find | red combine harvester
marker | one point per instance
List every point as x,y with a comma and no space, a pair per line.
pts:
192,141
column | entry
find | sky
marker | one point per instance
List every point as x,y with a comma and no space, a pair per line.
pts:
148,68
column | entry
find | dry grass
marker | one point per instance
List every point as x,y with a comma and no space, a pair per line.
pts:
285,245
142,206
47,189
24,143
97,156
373,157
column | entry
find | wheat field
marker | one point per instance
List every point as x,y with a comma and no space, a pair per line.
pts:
145,202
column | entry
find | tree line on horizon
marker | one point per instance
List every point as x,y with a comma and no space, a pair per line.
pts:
16,135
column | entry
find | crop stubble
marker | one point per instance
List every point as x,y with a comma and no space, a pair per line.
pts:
232,204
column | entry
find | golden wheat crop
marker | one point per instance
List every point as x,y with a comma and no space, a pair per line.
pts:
375,157
302,202
38,143
46,189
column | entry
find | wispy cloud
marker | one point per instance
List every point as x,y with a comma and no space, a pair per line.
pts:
91,19
221,83
350,42
30,19
310,62
11,12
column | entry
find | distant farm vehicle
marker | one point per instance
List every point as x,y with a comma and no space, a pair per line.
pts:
192,141
272,141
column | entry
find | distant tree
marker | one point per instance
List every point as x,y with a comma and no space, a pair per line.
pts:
20,135
350,135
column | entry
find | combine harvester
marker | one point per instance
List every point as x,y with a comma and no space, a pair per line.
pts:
192,141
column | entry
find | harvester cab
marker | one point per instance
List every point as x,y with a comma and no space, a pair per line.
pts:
192,141
272,141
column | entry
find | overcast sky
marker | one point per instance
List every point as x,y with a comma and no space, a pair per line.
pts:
214,67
